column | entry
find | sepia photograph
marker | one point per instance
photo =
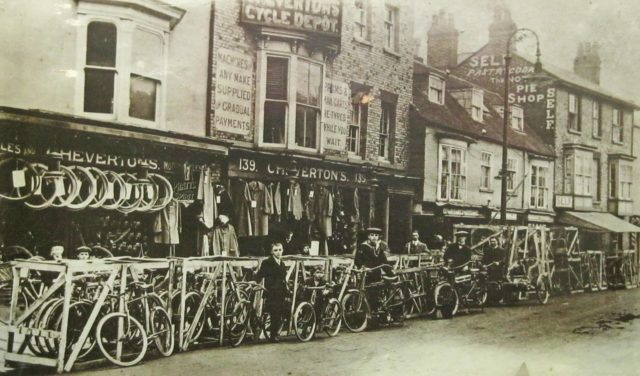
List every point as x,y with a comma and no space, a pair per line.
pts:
319,187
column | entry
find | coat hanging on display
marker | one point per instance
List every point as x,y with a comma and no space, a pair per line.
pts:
355,210
225,241
206,195
277,200
167,224
324,211
294,205
255,208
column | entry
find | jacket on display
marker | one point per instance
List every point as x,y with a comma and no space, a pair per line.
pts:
324,211
255,207
167,224
225,241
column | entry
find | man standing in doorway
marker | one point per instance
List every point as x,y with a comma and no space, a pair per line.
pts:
415,245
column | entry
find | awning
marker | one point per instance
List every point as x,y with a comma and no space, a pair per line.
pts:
597,222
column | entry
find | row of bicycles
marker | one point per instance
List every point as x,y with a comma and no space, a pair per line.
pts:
123,309
40,186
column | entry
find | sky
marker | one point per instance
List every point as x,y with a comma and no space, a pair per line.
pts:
561,25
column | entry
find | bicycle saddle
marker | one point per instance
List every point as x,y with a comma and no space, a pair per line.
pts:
390,278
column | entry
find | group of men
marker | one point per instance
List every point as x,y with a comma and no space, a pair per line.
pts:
370,254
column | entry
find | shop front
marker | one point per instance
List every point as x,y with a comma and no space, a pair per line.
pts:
310,202
71,182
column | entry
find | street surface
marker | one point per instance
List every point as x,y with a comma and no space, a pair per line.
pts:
584,334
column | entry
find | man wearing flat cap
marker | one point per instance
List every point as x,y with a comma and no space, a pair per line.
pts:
459,252
372,253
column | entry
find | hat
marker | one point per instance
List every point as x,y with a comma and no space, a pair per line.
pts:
83,248
461,233
373,230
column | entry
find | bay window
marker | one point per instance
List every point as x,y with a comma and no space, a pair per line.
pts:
452,173
620,179
121,57
578,172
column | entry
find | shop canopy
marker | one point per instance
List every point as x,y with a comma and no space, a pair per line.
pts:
597,222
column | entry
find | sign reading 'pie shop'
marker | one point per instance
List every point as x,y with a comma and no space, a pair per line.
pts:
320,16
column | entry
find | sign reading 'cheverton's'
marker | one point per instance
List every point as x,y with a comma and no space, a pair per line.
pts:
320,16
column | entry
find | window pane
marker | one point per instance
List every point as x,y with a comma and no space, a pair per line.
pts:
306,125
275,117
302,94
142,98
277,78
101,44
147,53
98,91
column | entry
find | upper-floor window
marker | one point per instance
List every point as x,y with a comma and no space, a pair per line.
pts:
387,125
436,89
517,118
597,178
539,189
511,174
453,177
595,119
620,179
485,171
122,56
292,102
577,172
617,126
359,115
391,28
477,104
362,20
574,113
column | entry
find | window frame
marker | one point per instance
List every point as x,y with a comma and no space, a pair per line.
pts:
485,171
580,173
537,187
358,122
291,103
438,92
596,177
362,23
391,28
447,193
620,184
596,119
126,23
386,129
512,173
573,116
517,118
617,126
477,109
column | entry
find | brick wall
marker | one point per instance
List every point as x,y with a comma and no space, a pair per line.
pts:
364,63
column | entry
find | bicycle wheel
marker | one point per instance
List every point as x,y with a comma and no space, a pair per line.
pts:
14,252
236,317
192,302
133,339
18,179
78,315
304,321
447,301
355,311
332,317
542,290
162,330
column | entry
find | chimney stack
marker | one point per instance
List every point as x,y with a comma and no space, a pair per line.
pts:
442,42
502,27
587,62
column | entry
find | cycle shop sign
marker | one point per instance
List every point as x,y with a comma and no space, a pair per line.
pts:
233,94
318,16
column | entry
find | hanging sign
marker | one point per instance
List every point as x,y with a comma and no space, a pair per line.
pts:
233,94
335,115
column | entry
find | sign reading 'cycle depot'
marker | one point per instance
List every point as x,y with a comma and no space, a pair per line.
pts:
320,16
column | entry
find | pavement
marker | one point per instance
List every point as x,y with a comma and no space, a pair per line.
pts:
582,334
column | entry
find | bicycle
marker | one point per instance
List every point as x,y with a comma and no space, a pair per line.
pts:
467,289
389,307
123,337
319,308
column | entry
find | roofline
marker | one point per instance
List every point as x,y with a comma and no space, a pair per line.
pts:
479,137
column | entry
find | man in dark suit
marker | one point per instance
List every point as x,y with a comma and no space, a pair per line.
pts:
415,245
458,253
274,273
494,259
